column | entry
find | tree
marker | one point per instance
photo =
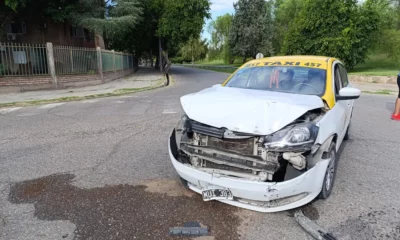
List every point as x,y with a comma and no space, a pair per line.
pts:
115,18
251,28
172,21
180,20
219,30
338,28
285,11
194,49
387,38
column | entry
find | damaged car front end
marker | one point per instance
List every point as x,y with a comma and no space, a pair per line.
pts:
266,173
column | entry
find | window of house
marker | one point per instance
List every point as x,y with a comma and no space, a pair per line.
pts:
16,28
89,36
77,32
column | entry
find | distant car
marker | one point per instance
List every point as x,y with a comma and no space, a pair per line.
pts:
267,138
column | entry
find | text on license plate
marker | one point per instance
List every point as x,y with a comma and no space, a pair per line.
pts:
217,194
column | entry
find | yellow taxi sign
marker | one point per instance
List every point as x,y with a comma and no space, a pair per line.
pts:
285,63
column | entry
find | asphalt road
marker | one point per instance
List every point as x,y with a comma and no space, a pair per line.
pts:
99,169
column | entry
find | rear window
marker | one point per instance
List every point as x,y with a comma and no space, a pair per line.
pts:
293,79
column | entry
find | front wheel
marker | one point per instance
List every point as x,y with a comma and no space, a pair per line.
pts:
330,174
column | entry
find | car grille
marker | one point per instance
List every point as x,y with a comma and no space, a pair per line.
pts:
241,146
207,130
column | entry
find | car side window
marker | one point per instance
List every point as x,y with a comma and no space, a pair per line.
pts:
343,76
338,82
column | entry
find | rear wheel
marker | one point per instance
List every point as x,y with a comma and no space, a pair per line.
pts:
330,174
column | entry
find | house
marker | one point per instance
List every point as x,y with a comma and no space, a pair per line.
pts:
35,30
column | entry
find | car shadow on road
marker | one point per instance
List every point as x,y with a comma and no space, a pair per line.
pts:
123,211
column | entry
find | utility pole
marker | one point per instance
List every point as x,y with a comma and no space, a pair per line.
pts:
160,50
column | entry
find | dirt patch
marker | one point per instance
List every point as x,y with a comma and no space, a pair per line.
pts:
311,212
170,187
124,211
245,217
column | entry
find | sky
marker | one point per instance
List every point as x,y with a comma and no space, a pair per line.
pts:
218,8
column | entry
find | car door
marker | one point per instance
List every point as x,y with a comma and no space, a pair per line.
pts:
342,106
344,83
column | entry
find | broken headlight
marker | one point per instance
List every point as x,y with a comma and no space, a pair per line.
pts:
183,125
298,136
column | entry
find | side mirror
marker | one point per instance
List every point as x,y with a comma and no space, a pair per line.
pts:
348,93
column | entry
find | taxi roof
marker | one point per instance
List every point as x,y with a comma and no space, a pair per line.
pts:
295,57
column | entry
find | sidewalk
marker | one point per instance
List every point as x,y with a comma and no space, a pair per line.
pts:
144,78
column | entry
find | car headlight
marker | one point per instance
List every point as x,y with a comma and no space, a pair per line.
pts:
301,135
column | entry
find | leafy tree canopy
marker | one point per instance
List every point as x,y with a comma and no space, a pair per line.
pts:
338,28
251,28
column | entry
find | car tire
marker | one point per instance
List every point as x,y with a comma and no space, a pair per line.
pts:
330,174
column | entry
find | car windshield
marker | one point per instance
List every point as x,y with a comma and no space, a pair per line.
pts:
293,79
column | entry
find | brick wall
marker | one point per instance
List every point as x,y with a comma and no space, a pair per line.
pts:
20,81
77,78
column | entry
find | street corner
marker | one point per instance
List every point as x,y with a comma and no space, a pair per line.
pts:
144,211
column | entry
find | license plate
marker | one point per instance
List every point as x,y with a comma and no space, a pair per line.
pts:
217,194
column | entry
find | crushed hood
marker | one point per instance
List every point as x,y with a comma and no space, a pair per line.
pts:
246,110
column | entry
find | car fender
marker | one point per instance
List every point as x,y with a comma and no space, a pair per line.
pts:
329,127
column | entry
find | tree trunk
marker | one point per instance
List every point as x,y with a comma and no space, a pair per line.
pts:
244,59
151,57
135,61
160,54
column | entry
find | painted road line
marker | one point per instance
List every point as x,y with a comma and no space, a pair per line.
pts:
168,111
8,110
119,101
51,105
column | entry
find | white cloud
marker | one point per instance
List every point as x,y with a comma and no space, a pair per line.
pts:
218,5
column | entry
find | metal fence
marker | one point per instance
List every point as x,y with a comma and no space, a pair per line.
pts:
114,61
75,60
18,59
23,59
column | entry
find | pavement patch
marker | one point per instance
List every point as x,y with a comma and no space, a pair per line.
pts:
375,224
124,211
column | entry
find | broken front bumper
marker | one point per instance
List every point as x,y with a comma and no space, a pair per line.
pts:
253,195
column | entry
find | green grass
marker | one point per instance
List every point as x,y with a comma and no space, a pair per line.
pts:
377,65
383,92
